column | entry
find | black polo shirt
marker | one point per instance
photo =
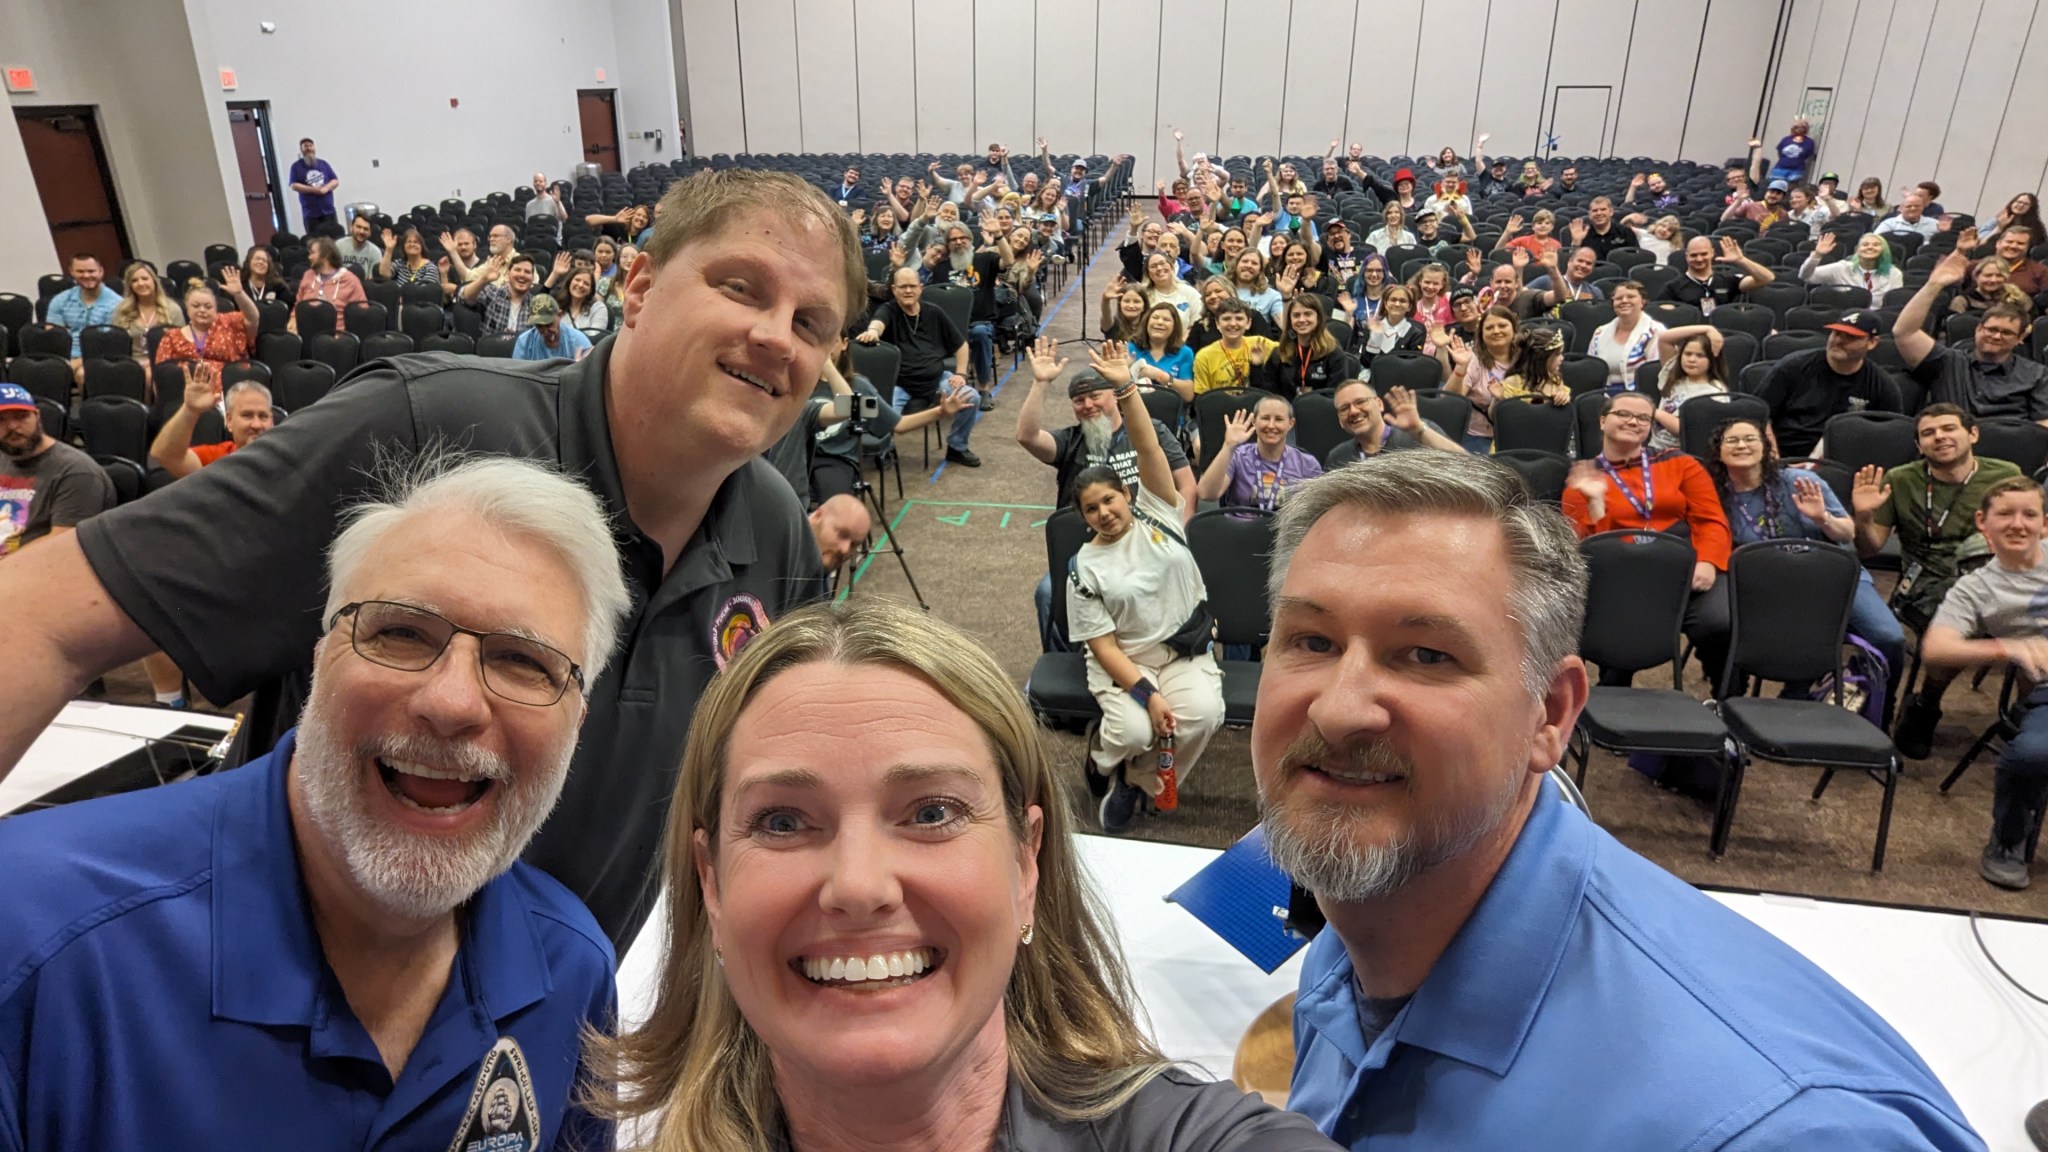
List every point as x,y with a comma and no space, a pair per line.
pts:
226,572
1603,245
1722,287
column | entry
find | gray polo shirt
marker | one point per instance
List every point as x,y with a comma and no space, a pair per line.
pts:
2018,387
225,571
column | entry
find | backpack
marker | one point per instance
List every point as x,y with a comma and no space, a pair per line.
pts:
1865,674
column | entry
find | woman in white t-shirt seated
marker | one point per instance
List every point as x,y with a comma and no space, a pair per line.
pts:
1136,599
1628,340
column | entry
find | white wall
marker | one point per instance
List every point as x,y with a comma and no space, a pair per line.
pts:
136,66
1950,90
1660,78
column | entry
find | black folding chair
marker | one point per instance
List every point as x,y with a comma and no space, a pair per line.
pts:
1540,425
1212,409
1234,549
2021,443
1790,604
1639,586
1316,430
1058,685
1701,415
1543,473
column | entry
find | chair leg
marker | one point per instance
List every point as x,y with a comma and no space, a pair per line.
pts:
1996,731
1735,759
1826,775
1884,815
1575,747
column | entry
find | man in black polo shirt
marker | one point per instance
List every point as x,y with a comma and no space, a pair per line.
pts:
1806,389
1602,234
1986,379
925,339
729,313
1097,436
1706,287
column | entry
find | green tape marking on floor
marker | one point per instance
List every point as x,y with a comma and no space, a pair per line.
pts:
959,521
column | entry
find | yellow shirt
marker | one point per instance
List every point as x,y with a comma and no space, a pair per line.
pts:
1220,367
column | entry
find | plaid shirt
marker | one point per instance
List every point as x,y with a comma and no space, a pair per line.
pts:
499,314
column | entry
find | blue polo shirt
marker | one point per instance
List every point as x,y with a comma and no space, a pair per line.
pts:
70,309
1594,1000
162,986
569,341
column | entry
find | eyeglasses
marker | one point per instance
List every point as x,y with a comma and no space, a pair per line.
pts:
410,639
1739,441
1631,417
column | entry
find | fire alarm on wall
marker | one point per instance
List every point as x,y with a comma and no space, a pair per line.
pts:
21,80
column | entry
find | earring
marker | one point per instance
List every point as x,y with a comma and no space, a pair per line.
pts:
1025,933
720,954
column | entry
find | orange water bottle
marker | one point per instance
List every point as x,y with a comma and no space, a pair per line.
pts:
1169,781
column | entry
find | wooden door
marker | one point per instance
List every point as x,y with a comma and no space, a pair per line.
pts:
596,108
77,191
259,177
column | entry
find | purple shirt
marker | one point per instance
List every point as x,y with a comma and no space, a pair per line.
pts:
1257,482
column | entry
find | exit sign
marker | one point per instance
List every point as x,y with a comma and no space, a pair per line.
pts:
20,80
227,79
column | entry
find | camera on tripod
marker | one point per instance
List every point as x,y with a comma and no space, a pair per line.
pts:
858,406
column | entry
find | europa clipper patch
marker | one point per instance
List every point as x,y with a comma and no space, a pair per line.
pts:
502,1115
740,620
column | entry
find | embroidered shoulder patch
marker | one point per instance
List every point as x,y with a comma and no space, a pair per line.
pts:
739,620
502,1115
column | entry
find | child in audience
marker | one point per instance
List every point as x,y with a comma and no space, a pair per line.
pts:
1692,368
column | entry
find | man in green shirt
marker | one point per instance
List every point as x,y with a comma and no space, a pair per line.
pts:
1932,503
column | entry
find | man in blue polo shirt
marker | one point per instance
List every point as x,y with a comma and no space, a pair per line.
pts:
1498,972
86,303
334,946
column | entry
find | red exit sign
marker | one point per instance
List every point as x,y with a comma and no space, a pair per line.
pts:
21,80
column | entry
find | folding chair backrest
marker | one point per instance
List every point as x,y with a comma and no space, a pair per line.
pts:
1639,584
1701,415
1790,603
1234,549
1065,532
1212,409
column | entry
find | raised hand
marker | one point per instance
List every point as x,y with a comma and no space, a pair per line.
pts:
1755,143
1953,268
1485,136
1046,361
1513,225
1260,349
1579,228
390,240
897,256
860,216
1179,136
1461,353
1437,335
1730,250
1944,222
1473,260
231,279
1237,428
1809,499
1870,492
1110,361
447,241
1402,412
1586,480
1825,244
1966,240
561,263
202,386
1519,257
1636,181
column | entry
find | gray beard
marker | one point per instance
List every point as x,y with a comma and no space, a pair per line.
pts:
1097,432
409,875
961,261
1317,843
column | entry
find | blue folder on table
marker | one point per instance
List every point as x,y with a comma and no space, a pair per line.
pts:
1242,897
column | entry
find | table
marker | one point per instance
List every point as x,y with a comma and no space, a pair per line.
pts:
1921,971
89,736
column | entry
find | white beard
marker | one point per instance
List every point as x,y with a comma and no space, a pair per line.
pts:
1097,432
419,877
961,261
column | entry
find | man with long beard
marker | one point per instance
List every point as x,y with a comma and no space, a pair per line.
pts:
1097,436
338,939
1498,972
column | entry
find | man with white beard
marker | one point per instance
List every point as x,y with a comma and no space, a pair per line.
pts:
1498,972
335,946
1097,436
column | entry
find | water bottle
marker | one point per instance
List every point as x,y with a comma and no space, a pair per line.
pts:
1169,781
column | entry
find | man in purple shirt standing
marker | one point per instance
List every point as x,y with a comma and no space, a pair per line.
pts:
1257,463
314,180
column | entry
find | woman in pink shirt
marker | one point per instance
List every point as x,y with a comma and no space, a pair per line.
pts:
327,280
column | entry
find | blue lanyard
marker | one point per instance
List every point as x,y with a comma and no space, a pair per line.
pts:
1649,497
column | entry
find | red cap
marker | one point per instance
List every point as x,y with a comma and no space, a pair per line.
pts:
1401,174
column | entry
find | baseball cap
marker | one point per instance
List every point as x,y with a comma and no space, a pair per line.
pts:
1425,214
1827,177
1499,162
1863,322
1336,225
1777,186
1461,292
543,310
1085,382
15,396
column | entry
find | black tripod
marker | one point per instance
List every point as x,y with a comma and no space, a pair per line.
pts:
857,425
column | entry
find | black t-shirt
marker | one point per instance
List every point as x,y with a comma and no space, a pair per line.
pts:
1070,456
1803,392
926,342
1341,183
1290,379
1722,287
981,276
1341,266
226,571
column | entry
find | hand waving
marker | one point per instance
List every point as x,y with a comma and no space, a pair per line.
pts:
1402,411
1110,361
1870,492
202,385
1825,244
1046,361
1237,428
1809,499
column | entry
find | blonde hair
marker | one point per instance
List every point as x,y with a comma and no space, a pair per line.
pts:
699,207
1074,1044
128,313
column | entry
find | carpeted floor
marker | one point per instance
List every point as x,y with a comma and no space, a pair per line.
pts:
974,545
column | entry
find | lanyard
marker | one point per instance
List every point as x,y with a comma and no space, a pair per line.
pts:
1927,517
198,340
1648,499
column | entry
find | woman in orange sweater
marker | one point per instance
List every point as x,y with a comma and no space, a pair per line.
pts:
1627,486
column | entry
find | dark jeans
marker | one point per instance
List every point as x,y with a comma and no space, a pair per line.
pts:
2021,790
